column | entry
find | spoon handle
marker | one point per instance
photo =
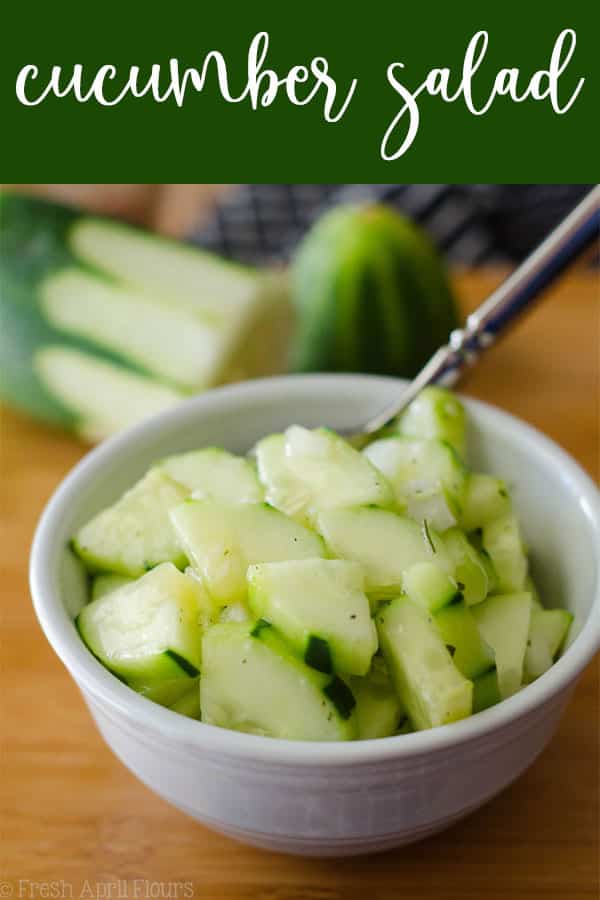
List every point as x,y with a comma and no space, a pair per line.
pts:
562,246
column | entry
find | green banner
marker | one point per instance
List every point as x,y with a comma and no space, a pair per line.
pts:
309,92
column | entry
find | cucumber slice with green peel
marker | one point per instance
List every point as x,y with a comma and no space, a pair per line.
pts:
320,608
106,584
221,540
253,682
135,534
501,539
469,652
485,691
148,631
384,543
436,414
167,692
104,324
426,584
427,477
334,473
189,703
379,711
215,474
430,686
485,498
469,571
503,621
283,490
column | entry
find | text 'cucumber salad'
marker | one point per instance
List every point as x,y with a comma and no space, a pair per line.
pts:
312,591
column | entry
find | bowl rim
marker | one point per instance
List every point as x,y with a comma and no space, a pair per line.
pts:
94,679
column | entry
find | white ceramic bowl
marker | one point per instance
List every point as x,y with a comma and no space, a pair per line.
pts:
332,799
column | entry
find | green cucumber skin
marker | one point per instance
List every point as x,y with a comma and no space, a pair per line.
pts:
34,236
370,293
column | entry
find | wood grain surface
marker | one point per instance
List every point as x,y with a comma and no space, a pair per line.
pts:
75,823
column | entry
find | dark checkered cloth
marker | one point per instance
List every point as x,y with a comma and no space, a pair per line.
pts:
471,224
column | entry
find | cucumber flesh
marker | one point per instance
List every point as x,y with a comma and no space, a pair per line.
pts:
165,692
221,540
215,474
485,691
469,571
384,543
430,686
318,605
427,477
147,631
106,584
502,541
547,633
436,414
333,473
459,631
503,622
379,711
102,396
189,703
428,585
254,683
283,490
486,498
135,533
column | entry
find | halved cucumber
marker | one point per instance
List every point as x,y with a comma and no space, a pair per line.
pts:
320,607
384,543
459,631
486,498
436,414
106,584
221,540
502,540
470,573
379,711
135,533
428,477
215,474
251,681
430,686
148,631
503,622
428,585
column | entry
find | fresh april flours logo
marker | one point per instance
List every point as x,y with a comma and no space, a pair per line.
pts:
312,83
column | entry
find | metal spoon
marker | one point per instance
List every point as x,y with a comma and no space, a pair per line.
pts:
562,246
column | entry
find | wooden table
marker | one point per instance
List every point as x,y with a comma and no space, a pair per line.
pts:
74,818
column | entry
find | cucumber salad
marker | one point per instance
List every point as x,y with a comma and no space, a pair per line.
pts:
312,591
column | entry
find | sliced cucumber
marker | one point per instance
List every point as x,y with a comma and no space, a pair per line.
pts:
459,631
283,490
379,711
189,703
469,571
148,631
135,533
428,585
503,622
547,633
436,414
215,474
106,584
320,607
486,498
166,692
384,543
485,691
430,686
428,477
252,682
502,541
333,473
221,540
